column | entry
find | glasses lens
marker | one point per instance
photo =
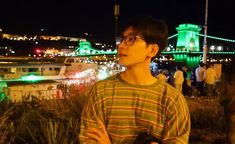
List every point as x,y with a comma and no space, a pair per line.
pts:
130,39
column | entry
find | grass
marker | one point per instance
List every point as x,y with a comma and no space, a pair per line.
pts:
40,121
207,120
57,121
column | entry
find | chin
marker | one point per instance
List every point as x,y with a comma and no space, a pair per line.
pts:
122,63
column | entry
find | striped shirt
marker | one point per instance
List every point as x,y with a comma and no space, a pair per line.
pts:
128,110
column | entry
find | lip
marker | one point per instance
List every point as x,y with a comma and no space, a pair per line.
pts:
122,55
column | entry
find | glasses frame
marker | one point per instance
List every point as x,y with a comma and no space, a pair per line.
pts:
124,38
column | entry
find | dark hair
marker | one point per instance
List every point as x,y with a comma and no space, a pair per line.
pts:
154,31
201,64
178,67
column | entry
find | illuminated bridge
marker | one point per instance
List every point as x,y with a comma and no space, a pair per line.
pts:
189,51
186,50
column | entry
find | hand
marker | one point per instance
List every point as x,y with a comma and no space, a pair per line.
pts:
153,142
97,135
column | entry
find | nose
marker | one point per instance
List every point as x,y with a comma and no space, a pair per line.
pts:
121,45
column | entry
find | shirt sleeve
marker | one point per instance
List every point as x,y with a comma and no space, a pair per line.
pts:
91,113
175,74
177,126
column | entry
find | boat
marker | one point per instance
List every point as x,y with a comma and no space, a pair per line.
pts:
39,78
43,70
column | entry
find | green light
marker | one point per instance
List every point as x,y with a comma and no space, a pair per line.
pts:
85,49
192,61
188,39
3,96
180,57
222,53
170,37
217,38
31,78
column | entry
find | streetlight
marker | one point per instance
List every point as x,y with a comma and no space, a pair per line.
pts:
205,34
116,14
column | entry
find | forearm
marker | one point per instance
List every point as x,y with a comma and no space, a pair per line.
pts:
94,135
181,139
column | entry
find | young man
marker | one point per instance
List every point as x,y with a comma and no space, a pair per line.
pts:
210,77
178,78
199,72
134,102
185,86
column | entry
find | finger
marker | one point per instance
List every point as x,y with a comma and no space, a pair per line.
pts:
101,139
90,142
92,136
105,137
94,131
84,138
102,126
97,135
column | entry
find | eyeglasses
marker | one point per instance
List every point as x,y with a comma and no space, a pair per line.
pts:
130,39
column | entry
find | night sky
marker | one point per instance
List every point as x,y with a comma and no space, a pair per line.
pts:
75,17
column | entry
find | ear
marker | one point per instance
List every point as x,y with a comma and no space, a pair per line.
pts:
153,50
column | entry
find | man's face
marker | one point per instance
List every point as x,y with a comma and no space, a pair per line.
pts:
132,54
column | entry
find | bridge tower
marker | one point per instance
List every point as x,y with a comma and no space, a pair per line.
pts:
188,45
188,38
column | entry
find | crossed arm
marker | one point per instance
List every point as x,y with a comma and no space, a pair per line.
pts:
94,135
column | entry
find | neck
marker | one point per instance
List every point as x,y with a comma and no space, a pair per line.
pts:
140,75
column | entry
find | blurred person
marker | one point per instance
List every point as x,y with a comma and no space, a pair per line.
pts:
154,68
193,77
193,89
169,76
161,75
227,97
210,77
199,73
178,78
122,107
185,88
